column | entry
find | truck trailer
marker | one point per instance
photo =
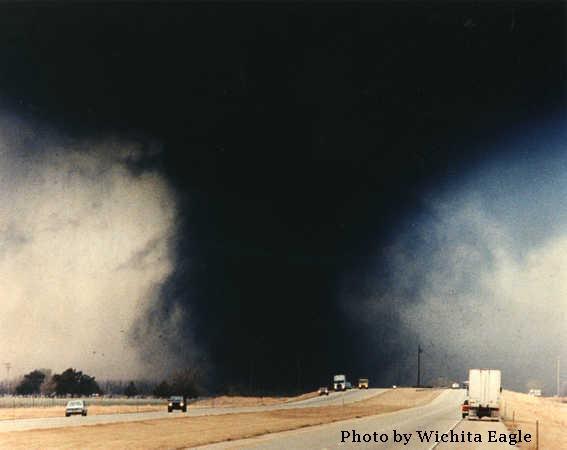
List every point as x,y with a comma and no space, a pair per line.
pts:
339,382
484,393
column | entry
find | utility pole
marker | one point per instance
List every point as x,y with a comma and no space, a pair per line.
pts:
419,352
558,376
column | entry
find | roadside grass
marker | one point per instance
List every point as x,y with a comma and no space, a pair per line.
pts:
97,407
241,401
183,432
58,411
521,411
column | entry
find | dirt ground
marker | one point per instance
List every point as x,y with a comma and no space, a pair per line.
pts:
520,412
185,432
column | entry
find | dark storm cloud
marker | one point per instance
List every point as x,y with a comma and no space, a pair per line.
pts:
293,137
477,273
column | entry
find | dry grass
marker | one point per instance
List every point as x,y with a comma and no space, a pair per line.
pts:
58,411
520,412
185,432
223,401
240,401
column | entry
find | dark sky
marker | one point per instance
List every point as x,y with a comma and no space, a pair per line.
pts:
296,137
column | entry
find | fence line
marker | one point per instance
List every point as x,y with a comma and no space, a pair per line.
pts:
514,419
45,402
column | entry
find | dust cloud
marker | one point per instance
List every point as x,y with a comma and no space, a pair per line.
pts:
478,275
85,245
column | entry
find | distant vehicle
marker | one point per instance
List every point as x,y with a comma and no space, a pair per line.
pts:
176,402
394,386
484,393
76,407
535,392
339,382
465,409
455,386
323,390
363,383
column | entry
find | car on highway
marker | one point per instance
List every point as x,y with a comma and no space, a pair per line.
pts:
485,386
323,390
176,402
339,382
455,386
76,407
465,409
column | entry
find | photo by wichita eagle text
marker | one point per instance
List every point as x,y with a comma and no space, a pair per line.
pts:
434,436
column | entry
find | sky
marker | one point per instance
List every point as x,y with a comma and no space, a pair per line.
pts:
477,271
282,192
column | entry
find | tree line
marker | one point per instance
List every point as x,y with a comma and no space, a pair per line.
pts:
186,382
69,382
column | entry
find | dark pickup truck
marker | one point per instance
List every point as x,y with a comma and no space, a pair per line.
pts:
176,402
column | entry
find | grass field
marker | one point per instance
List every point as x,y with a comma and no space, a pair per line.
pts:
35,407
58,411
241,401
521,411
9,401
182,432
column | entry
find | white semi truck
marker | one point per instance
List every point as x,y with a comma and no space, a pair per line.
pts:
484,393
339,382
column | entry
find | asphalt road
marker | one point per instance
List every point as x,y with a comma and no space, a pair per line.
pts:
334,398
475,426
337,398
440,415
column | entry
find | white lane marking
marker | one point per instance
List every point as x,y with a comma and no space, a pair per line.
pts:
452,428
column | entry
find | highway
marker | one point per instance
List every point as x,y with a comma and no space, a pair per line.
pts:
440,415
334,398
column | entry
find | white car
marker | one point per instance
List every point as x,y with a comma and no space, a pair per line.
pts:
76,407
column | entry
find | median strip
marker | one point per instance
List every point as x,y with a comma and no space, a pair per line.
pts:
182,432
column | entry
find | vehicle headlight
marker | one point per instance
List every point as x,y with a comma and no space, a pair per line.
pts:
181,404
170,404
